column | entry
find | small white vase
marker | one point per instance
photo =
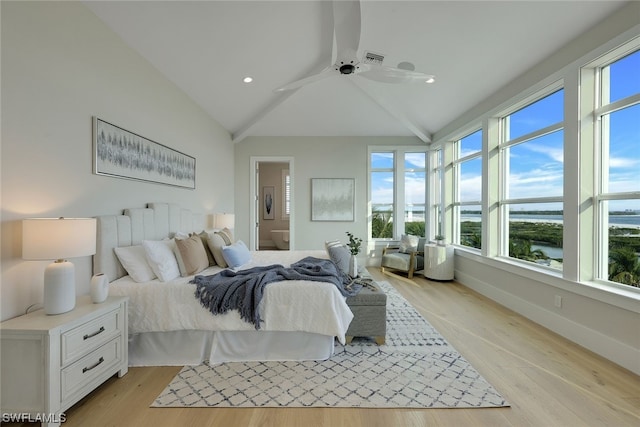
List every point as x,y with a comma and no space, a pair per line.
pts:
353,266
99,288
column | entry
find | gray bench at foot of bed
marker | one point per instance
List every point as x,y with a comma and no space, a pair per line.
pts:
369,309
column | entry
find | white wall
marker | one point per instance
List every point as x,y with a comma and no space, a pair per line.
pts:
313,157
60,66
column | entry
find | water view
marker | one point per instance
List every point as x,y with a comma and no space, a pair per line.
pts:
537,237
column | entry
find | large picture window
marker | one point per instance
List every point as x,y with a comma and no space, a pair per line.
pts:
397,192
617,115
532,151
468,190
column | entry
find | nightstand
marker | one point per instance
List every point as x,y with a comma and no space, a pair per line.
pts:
438,262
49,363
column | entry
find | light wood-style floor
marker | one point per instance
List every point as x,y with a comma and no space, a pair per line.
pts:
548,380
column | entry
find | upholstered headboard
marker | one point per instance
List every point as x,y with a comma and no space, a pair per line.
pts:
155,222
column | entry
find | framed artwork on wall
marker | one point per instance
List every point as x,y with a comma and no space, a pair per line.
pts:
123,154
333,199
268,202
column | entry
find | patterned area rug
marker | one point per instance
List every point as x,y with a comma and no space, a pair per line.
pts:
416,368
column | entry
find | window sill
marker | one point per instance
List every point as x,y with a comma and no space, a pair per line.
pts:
627,299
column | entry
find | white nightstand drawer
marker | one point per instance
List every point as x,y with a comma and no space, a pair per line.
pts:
81,340
85,370
49,362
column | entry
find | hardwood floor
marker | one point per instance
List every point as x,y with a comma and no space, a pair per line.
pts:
548,380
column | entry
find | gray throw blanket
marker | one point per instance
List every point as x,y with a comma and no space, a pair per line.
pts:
242,290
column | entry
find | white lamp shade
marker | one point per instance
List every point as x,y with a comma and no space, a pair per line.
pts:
224,220
58,238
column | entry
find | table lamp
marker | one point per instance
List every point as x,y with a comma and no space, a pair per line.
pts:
57,239
224,220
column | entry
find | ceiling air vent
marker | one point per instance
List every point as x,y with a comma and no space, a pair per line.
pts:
373,58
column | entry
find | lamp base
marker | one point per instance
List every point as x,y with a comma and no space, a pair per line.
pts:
59,287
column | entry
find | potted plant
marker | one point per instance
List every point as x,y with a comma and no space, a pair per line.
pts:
354,247
354,244
439,240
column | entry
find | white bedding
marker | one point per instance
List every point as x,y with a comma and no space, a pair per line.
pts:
296,305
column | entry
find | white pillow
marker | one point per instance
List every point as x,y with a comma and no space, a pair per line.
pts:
408,243
134,260
162,259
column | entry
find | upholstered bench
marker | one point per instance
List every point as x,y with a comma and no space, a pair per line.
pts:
369,309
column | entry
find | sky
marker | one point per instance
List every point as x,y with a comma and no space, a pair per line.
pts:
536,166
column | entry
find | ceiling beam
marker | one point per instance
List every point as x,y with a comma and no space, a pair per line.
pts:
244,131
415,129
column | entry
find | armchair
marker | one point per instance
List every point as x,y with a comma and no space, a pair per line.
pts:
406,262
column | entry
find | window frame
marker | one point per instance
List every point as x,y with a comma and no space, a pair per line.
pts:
457,163
399,173
504,144
598,110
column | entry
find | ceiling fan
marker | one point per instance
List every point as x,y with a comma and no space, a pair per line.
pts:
347,23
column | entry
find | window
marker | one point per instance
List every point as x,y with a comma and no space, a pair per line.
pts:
397,183
531,208
286,194
467,196
382,194
414,192
436,182
617,122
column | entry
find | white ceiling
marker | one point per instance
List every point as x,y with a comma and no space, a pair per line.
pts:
472,47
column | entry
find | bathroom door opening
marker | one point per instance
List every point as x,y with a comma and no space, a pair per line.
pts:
271,196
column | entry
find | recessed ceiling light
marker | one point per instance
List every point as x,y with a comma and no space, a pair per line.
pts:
247,79
430,80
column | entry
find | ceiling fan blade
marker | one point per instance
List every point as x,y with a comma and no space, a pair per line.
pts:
327,72
384,74
346,24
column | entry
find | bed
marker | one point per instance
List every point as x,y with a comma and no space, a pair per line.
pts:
168,326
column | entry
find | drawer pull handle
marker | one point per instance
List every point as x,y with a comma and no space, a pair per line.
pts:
99,331
94,366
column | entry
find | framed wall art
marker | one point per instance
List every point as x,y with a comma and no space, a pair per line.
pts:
269,202
333,199
123,154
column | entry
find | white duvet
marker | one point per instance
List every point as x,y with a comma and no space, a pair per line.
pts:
294,305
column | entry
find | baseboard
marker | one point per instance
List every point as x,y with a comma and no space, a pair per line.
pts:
601,344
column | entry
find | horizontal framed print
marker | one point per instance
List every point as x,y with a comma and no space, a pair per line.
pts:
333,199
123,154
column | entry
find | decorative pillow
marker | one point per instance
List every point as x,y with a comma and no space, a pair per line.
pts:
203,237
161,258
176,253
236,254
227,235
193,254
216,243
329,243
339,254
134,260
408,243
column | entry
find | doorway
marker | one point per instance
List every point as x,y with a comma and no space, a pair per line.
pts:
271,198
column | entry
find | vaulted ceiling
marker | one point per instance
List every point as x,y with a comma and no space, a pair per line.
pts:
473,48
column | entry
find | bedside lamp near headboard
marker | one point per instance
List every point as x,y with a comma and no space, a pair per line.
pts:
57,239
